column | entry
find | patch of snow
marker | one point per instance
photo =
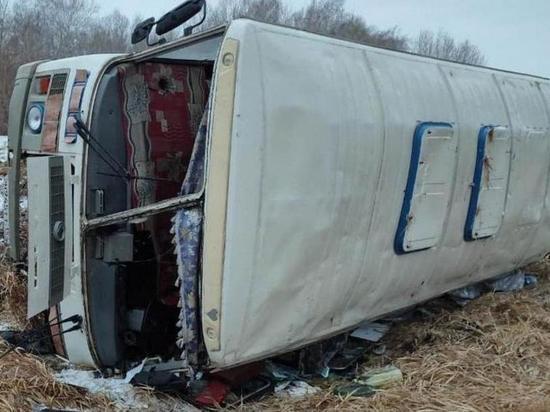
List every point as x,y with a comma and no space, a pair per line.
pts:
295,390
24,204
120,392
3,149
6,326
3,208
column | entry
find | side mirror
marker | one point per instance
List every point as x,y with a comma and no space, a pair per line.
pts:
179,15
142,30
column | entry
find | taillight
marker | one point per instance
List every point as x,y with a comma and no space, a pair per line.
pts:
42,85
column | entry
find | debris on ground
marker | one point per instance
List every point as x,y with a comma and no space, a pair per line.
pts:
116,390
295,389
381,378
354,390
511,282
371,331
213,394
493,354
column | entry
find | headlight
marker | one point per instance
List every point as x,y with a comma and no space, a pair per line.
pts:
35,117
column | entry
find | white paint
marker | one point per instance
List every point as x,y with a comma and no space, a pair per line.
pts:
319,161
320,150
76,343
436,167
494,184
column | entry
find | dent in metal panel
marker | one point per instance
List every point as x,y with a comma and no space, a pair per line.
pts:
428,191
490,185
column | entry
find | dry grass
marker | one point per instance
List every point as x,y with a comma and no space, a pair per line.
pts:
13,295
25,381
493,355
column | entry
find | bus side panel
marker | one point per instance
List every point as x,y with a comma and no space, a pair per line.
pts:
320,151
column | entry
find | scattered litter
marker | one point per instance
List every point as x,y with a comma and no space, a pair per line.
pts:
511,282
463,296
213,394
401,315
347,358
372,331
281,373
315,359
354,390
381,378
249,391
134,371
158,374
295,389
117,390
379,350
531,281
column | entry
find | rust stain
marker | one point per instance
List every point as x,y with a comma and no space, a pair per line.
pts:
488,168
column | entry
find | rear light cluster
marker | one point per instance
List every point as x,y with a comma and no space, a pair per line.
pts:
46,96
42,85
35,114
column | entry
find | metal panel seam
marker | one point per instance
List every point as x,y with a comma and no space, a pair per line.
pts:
378,189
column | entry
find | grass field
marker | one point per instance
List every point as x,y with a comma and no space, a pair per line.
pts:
492,355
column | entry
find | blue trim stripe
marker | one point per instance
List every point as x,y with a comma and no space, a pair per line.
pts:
418,138
469,234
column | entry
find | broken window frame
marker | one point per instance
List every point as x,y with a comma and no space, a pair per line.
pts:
169,205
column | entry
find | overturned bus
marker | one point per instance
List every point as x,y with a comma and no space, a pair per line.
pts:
250,190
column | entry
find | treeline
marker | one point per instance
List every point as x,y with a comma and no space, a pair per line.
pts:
33,30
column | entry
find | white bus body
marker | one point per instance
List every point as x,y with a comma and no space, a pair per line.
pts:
343,182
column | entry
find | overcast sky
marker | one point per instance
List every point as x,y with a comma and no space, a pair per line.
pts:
513,34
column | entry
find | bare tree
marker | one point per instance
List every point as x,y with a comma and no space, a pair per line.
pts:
33,30
442,45
4,66
48,29
110,34
319,16
269,11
